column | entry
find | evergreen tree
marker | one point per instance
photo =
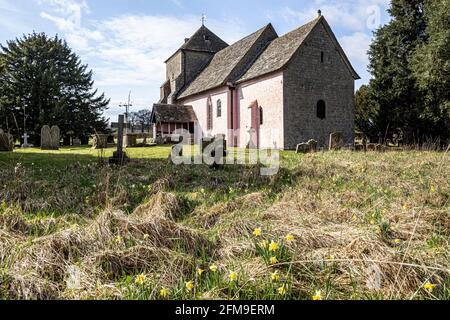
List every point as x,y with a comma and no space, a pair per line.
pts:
409,65
431,66
366,112
42,76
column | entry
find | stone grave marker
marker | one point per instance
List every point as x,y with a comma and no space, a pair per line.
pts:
336,141
6,141
50,138
119,156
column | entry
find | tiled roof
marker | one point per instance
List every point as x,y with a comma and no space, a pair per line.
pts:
173,113
203,40
226,62
279,52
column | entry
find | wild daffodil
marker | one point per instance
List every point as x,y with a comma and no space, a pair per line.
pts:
264,244
317,295
118,240
213,268
397,241
273,246
146,236
140,279
257,232
290,238
273,260
275,276
200,271
233,276
164,293
189,286
282,290
429,286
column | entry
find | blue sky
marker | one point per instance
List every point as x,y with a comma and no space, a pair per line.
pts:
126,42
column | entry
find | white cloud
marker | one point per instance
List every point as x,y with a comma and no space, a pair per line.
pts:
356,47
128,51
354,15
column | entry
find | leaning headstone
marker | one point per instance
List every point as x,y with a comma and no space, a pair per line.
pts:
6,141
336,141
303,148
310,146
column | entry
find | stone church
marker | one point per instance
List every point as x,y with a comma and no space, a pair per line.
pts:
264,91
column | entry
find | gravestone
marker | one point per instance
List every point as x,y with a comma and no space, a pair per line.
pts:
310,146
209,148
50,138
25,144
119,156
76,142
46,138
100,141
6,141
131,140
56,137
336,141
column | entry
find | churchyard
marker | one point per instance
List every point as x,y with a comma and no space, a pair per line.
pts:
328,225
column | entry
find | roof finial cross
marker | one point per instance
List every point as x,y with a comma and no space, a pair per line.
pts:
203,19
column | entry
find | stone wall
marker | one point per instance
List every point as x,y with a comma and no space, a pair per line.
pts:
306,81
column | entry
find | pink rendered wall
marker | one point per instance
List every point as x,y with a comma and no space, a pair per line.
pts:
268,91
199,103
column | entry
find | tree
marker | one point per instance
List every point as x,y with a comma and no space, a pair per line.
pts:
144,119
366,112
45,77
431,64
406,101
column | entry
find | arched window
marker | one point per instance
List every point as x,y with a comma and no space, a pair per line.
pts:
321,109
261,116
219,108
209,114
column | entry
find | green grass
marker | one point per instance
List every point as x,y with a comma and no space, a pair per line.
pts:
348,213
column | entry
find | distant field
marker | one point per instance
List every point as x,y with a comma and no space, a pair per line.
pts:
334,225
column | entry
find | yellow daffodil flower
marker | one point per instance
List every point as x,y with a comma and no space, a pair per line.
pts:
275,276
273,247
189,285
164,293
200,272
213,268
282,291
233,276
257,232
290,238
317,295
140,279
273,260
429,286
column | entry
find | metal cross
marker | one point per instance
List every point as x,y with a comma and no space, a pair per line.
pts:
203,19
